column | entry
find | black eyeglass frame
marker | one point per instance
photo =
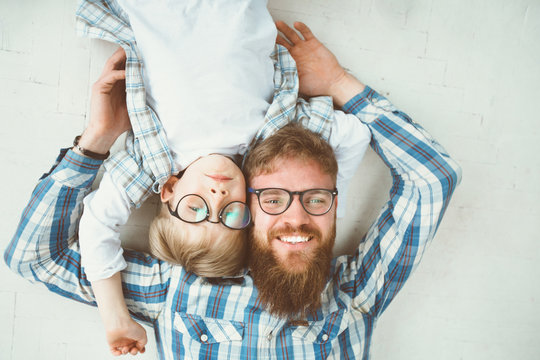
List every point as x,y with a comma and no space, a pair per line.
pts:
291,198
207,217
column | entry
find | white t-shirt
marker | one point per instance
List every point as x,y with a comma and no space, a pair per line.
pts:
207,70
209,78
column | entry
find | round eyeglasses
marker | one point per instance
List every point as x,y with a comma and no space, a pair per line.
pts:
193,209
275,201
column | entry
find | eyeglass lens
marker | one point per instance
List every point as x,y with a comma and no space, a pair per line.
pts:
315,201
235,215
192,208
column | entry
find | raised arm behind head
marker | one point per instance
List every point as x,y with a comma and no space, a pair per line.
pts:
319,71
108,112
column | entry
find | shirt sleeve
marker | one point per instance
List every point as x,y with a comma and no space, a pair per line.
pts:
45,248
424,178
105,210
349,138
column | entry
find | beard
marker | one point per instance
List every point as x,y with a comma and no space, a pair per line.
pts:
290,287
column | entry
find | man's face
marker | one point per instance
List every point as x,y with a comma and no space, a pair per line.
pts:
293,236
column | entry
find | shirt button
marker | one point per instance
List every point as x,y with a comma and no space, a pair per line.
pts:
269,336
325,337
204,338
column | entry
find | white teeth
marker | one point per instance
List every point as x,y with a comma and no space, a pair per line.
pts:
294,239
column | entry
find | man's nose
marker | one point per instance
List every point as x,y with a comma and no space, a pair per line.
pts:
296,215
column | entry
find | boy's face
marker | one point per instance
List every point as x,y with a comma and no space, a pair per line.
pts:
215,178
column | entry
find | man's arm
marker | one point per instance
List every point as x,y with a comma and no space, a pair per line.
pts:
319,71
424,179
45,247
424,176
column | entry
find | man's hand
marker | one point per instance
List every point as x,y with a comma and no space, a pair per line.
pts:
108,111
319,71
130,338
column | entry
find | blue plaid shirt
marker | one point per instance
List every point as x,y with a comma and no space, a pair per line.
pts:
195,319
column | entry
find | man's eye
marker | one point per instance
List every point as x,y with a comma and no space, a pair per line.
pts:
316,201
272,201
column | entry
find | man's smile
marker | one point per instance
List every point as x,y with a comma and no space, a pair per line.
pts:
295,239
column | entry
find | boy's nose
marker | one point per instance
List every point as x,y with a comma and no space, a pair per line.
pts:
217,192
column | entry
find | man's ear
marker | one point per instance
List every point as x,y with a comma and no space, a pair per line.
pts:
167,191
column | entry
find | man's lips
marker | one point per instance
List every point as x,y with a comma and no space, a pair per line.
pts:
220,178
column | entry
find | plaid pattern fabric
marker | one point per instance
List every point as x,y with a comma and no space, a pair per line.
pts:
195,319
146,163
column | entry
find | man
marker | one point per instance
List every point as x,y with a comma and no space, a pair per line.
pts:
295,302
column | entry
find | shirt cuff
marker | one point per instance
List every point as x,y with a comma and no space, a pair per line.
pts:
74,170
360,101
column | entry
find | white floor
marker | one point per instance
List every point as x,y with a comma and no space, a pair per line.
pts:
469,71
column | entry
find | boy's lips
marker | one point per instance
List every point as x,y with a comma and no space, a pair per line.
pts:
220,178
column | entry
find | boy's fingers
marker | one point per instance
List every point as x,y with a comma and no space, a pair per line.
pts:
289,33
304,30
116,352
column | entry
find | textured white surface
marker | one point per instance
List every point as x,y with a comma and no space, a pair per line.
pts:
468,71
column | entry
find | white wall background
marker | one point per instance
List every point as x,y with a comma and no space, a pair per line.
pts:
469,71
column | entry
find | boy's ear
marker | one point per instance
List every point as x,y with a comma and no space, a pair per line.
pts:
167,191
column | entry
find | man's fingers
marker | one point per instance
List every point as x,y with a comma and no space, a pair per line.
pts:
281,41
304,30
108,80
116,61
289,33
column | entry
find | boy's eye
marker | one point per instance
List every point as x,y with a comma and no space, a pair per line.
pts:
195,209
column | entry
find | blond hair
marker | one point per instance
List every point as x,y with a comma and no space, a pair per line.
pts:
291,141
203,252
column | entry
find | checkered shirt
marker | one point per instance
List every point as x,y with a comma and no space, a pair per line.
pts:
194,319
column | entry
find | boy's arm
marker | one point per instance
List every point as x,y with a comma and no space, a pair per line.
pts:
124,335
105,210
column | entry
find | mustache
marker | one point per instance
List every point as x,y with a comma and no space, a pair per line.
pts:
303,230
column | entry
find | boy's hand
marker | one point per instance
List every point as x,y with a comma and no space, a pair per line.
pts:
319,71
129,338
108,111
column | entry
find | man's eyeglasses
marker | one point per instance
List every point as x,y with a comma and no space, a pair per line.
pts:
193,209
275,201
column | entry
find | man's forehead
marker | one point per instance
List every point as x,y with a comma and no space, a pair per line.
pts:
293,174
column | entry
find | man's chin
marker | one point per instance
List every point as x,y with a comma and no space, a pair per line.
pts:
294,259
290,282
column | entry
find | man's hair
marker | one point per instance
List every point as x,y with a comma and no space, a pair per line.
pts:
291,141
215,254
